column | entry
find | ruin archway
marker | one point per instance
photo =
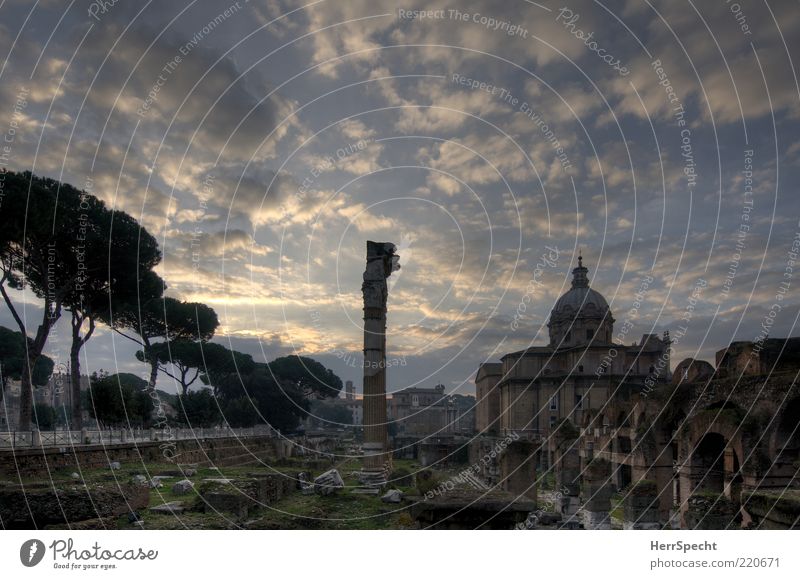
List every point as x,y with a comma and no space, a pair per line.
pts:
787,434
733,476
708,463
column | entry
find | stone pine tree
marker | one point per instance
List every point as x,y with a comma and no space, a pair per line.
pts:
142,314
41,250
310,377
119,252
186,361
163,319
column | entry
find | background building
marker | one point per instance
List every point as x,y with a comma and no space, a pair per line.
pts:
531,391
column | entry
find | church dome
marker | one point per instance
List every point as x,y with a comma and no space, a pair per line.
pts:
585,299
581,315
580,298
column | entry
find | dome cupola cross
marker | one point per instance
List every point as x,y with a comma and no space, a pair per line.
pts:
579,277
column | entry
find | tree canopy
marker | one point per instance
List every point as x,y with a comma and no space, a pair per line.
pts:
190,360
310,377
199,409
43,248
75,254
116,401
12,358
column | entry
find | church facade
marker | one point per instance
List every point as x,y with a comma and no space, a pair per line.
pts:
529,392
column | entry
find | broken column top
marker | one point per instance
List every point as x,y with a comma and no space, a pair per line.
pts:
381,260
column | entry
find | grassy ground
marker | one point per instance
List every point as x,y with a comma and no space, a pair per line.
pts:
342,510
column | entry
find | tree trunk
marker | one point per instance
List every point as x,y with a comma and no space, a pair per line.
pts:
151,384
76,410
26,394
75,365
26,386
32,352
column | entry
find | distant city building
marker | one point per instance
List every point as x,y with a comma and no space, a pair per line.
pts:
352,405
758,358
429,411
349,391
55,393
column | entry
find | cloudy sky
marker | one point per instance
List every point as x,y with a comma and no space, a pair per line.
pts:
264,142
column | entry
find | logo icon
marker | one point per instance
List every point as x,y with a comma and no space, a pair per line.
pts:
32,552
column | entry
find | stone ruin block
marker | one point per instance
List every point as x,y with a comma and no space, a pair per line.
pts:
568,472
568,506
272,487
328,482
37,505
596,494
183,487
640,507
596,521
241,496
711,511
773,509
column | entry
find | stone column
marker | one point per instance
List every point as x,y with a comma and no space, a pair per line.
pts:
381,261
568,472
567,466
596,490
518,467
664,475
